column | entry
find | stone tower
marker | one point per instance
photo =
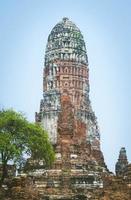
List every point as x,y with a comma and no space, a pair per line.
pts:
79,171
65,110
122,162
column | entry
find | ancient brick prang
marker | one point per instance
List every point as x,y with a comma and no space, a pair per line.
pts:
65,110
79,171
66,113
122,162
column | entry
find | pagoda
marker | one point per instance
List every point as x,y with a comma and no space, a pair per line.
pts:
66,112
79,171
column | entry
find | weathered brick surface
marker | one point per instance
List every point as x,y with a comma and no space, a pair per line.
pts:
79,171
115,188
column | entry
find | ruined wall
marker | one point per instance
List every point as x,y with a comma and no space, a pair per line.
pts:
30,188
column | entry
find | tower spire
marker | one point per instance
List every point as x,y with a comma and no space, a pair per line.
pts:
65,110
122,162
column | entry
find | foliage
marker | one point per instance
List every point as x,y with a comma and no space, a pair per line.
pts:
38,145
19,137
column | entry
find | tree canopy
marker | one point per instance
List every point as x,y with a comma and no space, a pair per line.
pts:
19,137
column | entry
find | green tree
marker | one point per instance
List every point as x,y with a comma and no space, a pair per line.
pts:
19,137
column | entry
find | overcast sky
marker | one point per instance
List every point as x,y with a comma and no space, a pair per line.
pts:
106,27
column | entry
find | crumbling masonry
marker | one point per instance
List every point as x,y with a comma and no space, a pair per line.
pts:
79,171
66,113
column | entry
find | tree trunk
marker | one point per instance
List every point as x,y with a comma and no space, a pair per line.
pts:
4,173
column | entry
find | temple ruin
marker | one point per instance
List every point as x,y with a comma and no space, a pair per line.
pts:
79,171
